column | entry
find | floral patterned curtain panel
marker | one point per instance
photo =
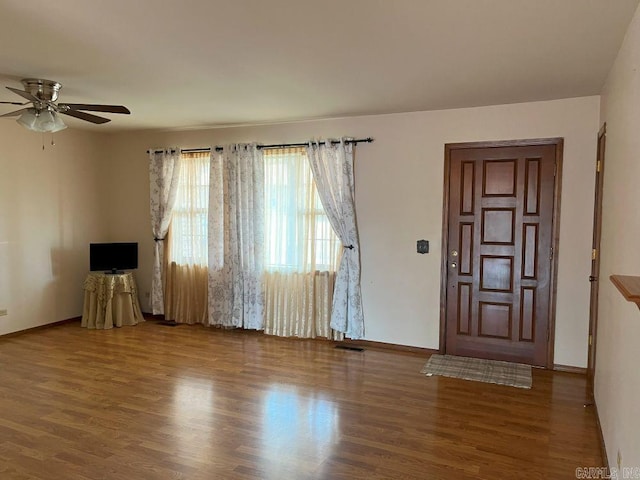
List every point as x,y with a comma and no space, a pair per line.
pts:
164,171
236,238
332,166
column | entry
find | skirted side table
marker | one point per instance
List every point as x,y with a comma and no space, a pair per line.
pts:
110,300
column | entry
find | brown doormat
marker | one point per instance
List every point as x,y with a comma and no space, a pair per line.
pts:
479,370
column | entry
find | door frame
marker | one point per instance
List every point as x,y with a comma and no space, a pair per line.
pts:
595,258
555,231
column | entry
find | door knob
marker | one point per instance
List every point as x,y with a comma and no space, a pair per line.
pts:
454,264
454,253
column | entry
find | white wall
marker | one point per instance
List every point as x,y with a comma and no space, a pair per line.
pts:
50,209
399,186
617,372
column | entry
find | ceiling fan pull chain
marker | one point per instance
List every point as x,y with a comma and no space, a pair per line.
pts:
42,141
52,142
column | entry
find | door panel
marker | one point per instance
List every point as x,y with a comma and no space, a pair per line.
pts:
595,257
499,228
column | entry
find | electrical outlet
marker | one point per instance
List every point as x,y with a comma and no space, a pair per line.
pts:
619,460
3,312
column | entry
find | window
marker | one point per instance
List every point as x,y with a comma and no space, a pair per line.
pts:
188,234
298,235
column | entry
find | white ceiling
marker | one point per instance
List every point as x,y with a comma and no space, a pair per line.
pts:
197,63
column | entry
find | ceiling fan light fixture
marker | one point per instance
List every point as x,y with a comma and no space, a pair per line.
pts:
49,121
28,119
58,124
44,121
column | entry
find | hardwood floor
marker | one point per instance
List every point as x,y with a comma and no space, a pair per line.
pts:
155,402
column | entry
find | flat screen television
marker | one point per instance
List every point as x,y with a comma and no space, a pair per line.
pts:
113,257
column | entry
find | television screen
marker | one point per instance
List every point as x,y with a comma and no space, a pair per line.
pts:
113,257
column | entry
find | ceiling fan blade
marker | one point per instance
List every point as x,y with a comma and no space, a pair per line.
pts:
86,116
14,103
16,113
24,94
96,108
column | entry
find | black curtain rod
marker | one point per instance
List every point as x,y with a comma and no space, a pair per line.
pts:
263,147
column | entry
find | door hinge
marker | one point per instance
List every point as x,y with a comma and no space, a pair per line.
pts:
590,340
598,166
551,254
594,254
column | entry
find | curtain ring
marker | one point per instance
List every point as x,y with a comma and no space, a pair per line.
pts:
155,239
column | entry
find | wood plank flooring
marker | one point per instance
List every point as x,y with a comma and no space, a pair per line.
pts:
155,402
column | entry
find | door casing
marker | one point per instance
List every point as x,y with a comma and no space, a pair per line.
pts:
555,230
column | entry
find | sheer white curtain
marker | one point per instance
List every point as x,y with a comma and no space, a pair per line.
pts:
164,170
332,166
188,244
186,278
236,238
301,249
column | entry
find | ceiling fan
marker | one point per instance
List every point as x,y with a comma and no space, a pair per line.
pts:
42,115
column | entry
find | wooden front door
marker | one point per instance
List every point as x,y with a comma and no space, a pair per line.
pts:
498,249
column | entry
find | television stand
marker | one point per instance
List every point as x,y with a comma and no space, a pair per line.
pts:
114,272
110,301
